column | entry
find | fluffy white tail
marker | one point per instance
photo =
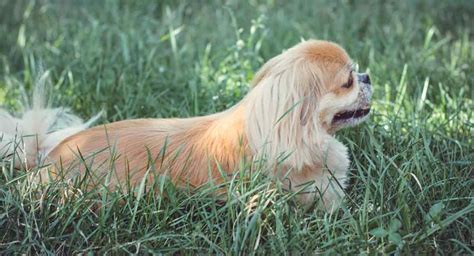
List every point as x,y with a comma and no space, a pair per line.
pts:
31,136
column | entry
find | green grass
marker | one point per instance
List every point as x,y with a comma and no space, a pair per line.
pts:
412,165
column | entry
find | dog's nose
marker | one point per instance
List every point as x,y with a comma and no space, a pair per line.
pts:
364,78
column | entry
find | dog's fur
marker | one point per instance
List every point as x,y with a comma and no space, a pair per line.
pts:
288,117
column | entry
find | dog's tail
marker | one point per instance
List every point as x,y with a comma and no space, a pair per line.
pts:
28,138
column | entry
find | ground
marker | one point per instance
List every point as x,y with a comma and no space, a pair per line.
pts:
412,185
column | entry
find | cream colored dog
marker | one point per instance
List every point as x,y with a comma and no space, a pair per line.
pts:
299,99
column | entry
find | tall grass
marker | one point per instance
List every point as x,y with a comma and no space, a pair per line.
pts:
412,168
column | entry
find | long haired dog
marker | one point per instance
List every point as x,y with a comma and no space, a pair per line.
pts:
299,99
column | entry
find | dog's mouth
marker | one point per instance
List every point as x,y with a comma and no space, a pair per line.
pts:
345,116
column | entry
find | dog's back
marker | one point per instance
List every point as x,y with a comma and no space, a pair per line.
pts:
187,150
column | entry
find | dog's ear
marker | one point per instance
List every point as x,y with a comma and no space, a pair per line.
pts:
281,108
309,82
302,84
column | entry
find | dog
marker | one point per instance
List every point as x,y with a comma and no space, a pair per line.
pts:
297,102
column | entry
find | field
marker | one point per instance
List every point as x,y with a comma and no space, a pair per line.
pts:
412,171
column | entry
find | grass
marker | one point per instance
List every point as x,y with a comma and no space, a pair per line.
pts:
412,165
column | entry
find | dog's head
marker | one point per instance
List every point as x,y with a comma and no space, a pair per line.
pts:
307,91
319,76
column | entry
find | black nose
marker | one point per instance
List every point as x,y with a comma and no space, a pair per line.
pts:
364,78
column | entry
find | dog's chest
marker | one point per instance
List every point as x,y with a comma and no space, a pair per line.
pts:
335,157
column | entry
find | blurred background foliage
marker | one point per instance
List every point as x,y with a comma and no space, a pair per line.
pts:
412,162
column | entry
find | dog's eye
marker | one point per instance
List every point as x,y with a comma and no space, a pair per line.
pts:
350,81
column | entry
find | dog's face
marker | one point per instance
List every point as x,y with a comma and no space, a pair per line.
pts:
344,95
346,101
